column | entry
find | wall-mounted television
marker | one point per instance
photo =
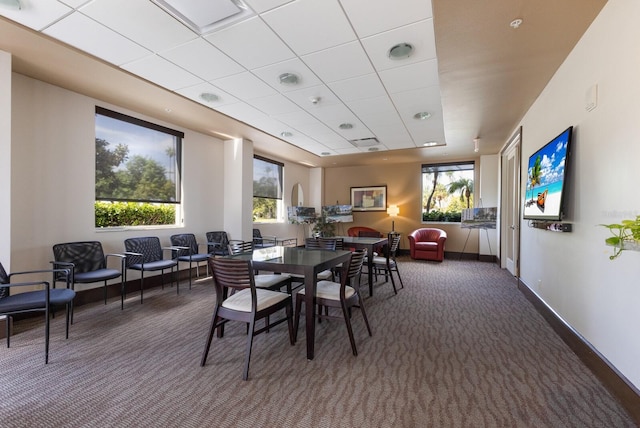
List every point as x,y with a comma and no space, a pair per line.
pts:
547,179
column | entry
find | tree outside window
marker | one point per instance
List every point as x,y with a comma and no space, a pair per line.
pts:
447,189
137,171
267,190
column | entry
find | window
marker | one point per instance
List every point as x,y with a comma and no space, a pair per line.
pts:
267,190
137,171
447,189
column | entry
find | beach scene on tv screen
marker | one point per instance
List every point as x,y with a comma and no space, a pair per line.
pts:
545,179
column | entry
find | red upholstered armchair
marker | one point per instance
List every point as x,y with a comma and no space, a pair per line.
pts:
355,231
427,244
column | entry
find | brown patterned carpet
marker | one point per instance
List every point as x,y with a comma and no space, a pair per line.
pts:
459,346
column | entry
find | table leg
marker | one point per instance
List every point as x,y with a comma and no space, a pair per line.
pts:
309,311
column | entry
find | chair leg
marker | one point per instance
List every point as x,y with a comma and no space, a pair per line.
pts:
289,311
122,293
190,274
7,330
207,345
364,314
399,277
296,320
105,292
347,321
46,336
141,284
68,319
393,283
247,358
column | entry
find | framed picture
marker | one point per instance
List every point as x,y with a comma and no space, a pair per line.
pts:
369,198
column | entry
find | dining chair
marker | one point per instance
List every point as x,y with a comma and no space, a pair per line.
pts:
88,264
343,295
247,304
388,264
44,300
146,254
263,241
270,281
188,251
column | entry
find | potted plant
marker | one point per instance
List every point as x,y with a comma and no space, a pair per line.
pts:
626,235
323,227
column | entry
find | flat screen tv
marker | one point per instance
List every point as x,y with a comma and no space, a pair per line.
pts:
547,179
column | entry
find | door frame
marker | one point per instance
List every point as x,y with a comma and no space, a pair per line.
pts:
509,231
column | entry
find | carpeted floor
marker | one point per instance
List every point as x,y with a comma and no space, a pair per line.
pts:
459,346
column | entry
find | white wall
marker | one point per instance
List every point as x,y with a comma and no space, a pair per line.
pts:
53,176
571,271
5,149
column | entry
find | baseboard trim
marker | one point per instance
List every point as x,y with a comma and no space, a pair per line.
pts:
616,383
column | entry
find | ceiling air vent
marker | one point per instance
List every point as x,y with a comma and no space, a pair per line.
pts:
365,142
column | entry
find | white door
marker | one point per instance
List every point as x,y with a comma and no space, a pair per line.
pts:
510,221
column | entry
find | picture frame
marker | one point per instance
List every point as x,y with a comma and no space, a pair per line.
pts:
372,198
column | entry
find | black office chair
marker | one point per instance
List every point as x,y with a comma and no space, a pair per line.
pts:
217,243
260,241
35,301
88,263
146,254
188,251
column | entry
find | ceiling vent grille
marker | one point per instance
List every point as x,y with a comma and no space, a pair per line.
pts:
365,142
205,16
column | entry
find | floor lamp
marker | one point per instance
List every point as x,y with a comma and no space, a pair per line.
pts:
393,211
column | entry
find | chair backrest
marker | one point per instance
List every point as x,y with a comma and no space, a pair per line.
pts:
320,244
355,265
4,279
86,256
185,240
221,238
240,247
234,274
369,234
148,246
394,243
256,233
354,231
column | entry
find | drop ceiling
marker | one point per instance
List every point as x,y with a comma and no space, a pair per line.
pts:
473,73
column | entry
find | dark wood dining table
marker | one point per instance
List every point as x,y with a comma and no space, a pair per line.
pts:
299,261
368,243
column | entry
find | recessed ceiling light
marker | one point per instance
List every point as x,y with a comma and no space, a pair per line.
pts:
345,126
168,109
400,51
325,153
423,115
430,143
516,23
288,79
373,149
286,134
209,97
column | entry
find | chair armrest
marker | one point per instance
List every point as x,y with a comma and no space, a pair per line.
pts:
66,272
131,257
122,257
177,249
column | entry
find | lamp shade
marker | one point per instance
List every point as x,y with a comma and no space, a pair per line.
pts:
393,210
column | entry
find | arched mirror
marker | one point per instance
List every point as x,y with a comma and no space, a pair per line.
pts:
297,196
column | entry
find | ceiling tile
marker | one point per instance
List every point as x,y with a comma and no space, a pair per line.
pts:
420,35
202,59
270,74
358,88
304,97
74,3
158,31
376,105
370,17
194,92
352,59
412,76
242,111
424,99
310,25
162,72
260,6
274,104
37,14
251,43
86,34
244,86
